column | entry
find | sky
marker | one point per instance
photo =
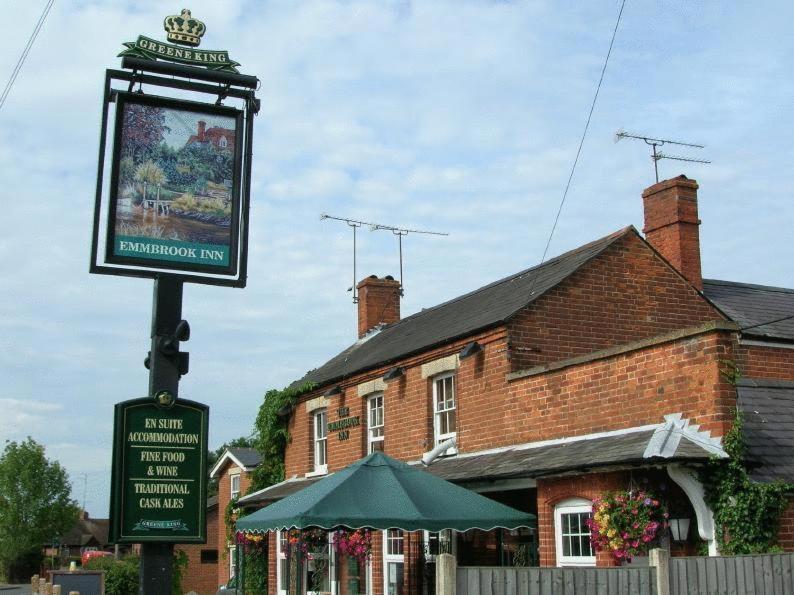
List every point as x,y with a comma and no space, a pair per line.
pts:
456,116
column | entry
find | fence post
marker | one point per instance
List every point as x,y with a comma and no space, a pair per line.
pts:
446,574
660,559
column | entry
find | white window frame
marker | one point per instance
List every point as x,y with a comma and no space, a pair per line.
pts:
372,401
232,561
282,555
391,558
320,439
234,489
438,437
571,506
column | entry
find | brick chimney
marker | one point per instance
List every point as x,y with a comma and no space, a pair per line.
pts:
378,302
671,225
202,129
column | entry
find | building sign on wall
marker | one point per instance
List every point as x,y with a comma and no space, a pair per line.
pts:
159,486
174,190
342,425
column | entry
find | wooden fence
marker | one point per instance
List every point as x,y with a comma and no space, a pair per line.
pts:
627,580
767,574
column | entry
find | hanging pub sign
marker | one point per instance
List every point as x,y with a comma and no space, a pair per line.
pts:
179,172
158,483
174,189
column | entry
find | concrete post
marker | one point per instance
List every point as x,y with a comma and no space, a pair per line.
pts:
446,574
660,559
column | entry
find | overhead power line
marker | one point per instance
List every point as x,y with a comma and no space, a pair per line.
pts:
584,132
25,52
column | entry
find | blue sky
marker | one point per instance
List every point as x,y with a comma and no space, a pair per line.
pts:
461,116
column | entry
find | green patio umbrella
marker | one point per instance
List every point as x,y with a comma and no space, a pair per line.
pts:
379,492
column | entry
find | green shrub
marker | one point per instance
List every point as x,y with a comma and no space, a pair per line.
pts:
121,576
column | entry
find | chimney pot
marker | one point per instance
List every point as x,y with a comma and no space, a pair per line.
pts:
672,225
378,302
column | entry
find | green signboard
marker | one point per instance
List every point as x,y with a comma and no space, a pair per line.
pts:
159,481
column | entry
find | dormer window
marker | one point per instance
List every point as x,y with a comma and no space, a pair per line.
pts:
222,142
444,408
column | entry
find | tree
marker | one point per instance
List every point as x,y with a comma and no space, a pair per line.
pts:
34,504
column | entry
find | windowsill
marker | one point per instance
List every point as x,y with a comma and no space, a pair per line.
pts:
317,472
574,563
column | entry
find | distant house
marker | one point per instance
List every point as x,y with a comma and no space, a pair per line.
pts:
213,563
221,139
87,534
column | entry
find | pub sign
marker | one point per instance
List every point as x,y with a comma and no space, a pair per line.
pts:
159,486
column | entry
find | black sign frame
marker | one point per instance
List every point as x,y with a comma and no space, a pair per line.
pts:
223,86
120,476
122,100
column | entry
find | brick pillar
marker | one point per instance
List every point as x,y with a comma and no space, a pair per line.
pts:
378,303
671,225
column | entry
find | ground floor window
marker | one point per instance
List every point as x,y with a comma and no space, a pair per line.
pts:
571,534
393,562
317,573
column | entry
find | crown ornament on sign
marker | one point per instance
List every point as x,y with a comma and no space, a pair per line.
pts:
184,29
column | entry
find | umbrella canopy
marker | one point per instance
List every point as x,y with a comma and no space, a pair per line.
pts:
379,492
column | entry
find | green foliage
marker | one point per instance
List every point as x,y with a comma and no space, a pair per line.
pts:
121,576
746,513
178,571
271,434
34,503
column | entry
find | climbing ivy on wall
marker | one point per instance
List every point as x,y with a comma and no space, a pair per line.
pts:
746,513
271,434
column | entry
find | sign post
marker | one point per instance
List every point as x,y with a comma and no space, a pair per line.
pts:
175,210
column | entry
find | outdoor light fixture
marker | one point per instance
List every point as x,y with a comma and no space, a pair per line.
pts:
284,411
679,528
336,390
393,374
472,348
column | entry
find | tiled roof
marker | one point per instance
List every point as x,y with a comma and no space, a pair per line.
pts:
475,311
751,305
87,532
249,457
576,455
278,491
767,407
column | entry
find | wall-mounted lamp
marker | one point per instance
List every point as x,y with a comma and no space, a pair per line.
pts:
679,528
472,348
284,411
393,374
331,392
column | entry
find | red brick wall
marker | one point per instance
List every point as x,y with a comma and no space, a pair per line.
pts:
626,390
553,491
625,295
766,362
786,532
378,303
224,496
202,577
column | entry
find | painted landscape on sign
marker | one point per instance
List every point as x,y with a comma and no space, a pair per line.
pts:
174,198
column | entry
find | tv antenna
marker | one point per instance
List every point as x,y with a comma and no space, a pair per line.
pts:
658,142
397,231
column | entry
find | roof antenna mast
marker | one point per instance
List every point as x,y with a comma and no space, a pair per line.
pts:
658,142
398,231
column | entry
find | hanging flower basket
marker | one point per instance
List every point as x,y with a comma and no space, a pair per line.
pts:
627,523
356,544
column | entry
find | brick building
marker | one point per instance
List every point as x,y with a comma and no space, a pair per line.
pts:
609,366
213,564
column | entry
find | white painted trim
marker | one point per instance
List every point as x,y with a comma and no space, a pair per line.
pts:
759,343
371,386
667,437
556,441
228,456
444,364
692,487
570,506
